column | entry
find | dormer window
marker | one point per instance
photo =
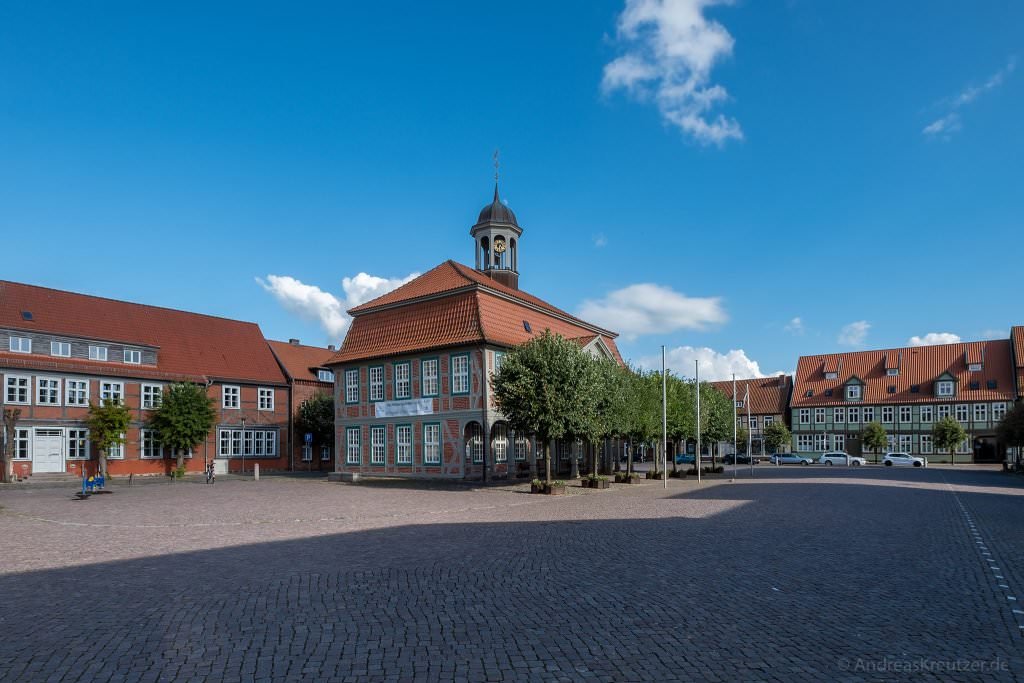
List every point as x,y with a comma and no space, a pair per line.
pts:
892,372
97,352
133,356
945,388
853,392
739,404
831,375
20,345
974,367
60,349
325,376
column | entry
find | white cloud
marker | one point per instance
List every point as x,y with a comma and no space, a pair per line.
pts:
934,338
309,302
950,122
714,366
600,240
670,50
795,326
647,308
855,333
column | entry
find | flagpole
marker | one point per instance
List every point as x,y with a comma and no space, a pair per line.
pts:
750,434
664,420
696,379
735,446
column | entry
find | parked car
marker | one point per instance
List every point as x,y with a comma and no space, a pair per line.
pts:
840,458
684,459
904,459
790,459
741,459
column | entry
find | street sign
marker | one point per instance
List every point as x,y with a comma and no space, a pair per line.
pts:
309,437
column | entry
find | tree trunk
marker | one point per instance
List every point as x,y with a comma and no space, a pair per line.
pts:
181,459
8,468
102,462
547,461
574,470
533,460
617,466
675,449
629,458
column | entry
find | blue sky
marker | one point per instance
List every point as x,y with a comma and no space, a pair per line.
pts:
768,179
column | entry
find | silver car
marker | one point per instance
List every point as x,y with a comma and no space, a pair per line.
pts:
790,459
840,458
904,459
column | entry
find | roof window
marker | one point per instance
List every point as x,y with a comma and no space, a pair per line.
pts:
991,384
891,389
975,385
809,393
26,315
526,326
915,388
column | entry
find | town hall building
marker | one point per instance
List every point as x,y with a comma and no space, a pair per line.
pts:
412,390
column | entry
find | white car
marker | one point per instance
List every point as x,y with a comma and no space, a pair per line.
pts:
904,459
841,458
790,459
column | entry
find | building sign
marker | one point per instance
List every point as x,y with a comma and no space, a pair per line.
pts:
419,406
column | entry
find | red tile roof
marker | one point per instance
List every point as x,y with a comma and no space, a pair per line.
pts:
300,361
453,305
768,395
190,345
919,366
1017,335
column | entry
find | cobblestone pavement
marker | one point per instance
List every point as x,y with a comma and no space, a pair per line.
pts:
801,574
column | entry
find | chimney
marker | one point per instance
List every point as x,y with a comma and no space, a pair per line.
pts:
293,342
330,347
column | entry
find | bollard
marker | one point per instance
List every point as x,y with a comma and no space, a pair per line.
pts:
256,471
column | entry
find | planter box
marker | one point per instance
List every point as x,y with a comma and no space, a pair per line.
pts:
536,488
556,491
599,484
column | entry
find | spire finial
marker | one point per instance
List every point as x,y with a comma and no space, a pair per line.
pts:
496,166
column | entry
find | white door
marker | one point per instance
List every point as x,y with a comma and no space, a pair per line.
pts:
48,450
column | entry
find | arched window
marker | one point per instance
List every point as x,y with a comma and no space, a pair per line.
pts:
499,442
474,435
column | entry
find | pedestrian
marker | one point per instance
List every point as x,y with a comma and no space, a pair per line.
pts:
210,474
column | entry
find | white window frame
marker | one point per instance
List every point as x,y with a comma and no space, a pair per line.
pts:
107,391
325,453
805,416
892,372
998,411
888,414
945,388
521,448
22,385
151,396
906,442
133,356
853,415
964,447
768,419
352,386
906,414
325,376
307,453
819,416
927,414
926,447
429,373
98,352
943,410
431,443
403,444
839,415
76,392
231,397
831,375
821,442
58,348
116,451
839,442
403,380
853,392
962,413
378,445
980,412
353,445
265,399
376,383
804,443
19,344
22,443
148,443
868,414
77,443
460,374
52,387
499,443
974,367
753,422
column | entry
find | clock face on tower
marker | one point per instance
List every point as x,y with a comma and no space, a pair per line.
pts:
499,245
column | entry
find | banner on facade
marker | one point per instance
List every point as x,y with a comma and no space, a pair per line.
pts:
419,406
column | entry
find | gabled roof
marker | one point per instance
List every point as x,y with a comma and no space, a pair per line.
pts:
453,305
1017,335
190,345
919,366
299,361
768,395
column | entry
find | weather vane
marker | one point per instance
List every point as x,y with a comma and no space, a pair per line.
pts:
495,165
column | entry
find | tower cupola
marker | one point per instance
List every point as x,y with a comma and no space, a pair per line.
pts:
496,242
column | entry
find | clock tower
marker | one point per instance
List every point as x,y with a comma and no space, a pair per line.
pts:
496,242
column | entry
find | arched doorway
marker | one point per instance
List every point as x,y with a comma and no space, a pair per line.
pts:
473,439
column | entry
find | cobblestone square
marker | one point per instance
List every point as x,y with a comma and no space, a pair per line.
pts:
798,574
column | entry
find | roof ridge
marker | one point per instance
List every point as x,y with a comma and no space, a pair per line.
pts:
128,303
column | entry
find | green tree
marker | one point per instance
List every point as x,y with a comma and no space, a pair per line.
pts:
717,412
1011,431
947,433
543,388
874,437
316,416
643,416
742,437
776,435
107,423
682,411
184,419
10,419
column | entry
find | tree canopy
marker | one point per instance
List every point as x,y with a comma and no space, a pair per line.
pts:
316,416
107,423
947,434
1011,429
874,436
184,418
776,435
